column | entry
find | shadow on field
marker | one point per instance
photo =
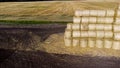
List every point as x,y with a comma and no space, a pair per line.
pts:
43,30
39,59
11,37
27,35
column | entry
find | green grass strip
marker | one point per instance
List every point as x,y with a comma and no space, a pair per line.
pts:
31,22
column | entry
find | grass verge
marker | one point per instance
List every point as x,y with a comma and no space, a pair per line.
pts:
31,22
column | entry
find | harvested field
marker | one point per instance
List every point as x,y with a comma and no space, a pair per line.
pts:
49,11
42,46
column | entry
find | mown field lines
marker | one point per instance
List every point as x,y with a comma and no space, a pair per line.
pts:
55,10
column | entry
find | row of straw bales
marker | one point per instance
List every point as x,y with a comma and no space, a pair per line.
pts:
94,28
98,20
98,43
98,13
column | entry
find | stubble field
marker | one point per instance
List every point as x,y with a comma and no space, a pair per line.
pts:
48,11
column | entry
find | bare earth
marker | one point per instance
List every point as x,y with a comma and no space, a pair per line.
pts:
48,38
43,47
39,59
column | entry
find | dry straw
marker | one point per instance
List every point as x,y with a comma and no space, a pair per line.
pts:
76,27
69,26
116,28
68,34
108,43
101,20
76,20
84,34
94,28
76,34
91,43
110,13
91,34
108,34
118,13
100,34
116,45
117,36
67,42
85,13
92,19
117,21
101,13
99,26
108,27
85,20
93,12
83,42
84,27
99,43
109,20
76,42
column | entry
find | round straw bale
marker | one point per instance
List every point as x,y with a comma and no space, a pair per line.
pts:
117,21
84,27
78,13
101,13
108,43
101,20
108,27
92,26
68,42
84,20
118,13
100,34
99,26
76,34
84,34
109,20
110,13
119,7
116,45
117,36
76,27
76,42
83,43
92,34
91,43
76,19
86,13
93,12
116,28
108,34
68,34
99,43
69,26
92,19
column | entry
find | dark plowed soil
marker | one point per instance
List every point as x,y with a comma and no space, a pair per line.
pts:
27,35
12,36
39,59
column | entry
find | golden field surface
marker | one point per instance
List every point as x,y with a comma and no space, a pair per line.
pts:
48,11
